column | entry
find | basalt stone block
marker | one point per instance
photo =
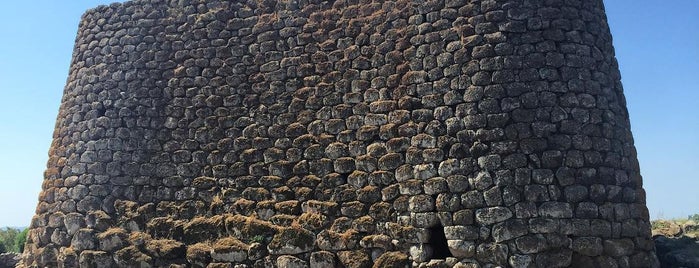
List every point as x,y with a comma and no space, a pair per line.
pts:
492,215
590,246
90,258
618,247
291,262
322,259
342,133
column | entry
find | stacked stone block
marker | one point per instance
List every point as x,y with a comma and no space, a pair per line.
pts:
295,133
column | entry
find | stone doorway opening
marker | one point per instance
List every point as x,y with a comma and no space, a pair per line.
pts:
438,242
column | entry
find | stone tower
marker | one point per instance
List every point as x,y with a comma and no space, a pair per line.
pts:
294,133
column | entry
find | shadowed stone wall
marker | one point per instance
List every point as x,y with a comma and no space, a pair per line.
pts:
342,133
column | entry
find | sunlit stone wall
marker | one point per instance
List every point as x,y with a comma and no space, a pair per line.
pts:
465,133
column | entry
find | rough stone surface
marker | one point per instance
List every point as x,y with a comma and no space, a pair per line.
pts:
9,259
203,133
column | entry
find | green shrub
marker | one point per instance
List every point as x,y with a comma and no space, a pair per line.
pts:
8,239
20,239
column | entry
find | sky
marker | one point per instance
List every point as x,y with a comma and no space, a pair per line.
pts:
657,46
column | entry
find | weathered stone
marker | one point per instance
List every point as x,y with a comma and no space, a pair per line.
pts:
618,247
229,249
112,239
390,161
290,262
342,133
333,241
355,258
531,244
424,171
165,248
199,254
556,210
461,232
472,199
492,215
89,258
291,241
509,229
589,246
132,257
482,181
421,203
554,258
84,239
493,253
461,248
420,252
391,259
322,259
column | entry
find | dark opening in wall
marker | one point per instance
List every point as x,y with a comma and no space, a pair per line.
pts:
438,241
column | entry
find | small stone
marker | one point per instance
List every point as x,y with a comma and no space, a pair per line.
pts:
448,167
112,239
458,183
336,150
229,249
423,141
520,261
291,241
530,244
542,176
508,230
489,162
390,161
461,248
575,193
436,185
472,199
486,216
322,259
344,165
89,258
424,171
392,259
556,210
84,239
461,232
354,258
421,203
132,257
424,219
554,258
482,181
543,225
420,253
618,247
526,210
493,253
589,246
288,261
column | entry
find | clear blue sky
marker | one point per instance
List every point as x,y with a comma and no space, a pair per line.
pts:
657,45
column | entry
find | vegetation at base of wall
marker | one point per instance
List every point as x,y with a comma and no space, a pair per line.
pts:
12,239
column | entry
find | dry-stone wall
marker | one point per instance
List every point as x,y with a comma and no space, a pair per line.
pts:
294,133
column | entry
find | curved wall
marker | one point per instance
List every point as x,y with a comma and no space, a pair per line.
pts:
345,133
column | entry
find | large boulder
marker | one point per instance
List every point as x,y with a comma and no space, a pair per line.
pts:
677,252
